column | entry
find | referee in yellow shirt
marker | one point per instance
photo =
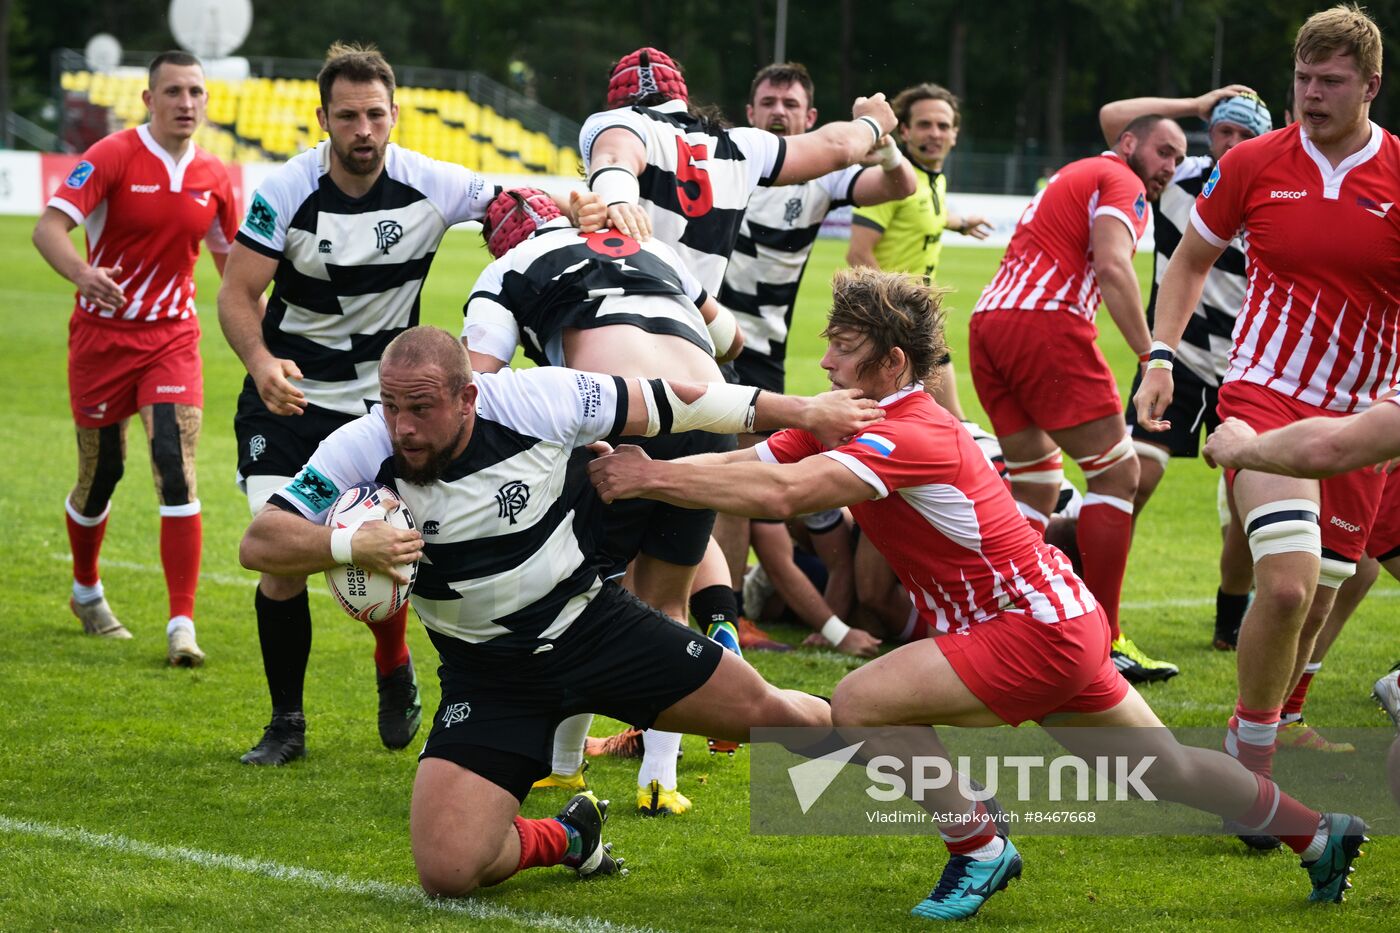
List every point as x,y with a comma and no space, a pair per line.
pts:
906,235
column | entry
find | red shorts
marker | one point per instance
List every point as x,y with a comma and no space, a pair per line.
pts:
1384,542
116,369
1348,501
1023,670
1039,369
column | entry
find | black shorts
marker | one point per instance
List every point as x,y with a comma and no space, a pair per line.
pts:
658,529
760,370
620,658
279,445
1193,405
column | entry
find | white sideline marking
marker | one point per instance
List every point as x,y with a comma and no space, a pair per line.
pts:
325,881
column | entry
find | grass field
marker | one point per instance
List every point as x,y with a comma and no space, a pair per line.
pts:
124,806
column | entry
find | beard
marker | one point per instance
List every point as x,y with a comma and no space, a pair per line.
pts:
431,471
354,166
1139,167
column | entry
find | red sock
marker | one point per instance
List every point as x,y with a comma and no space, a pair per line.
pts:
390,647
1274,813
1252,737
181,544
542,842
1104,535
962,838
1293,706
85,541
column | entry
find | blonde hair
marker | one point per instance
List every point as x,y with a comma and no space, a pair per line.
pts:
1345,29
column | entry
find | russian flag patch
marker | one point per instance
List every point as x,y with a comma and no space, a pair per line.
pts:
881,445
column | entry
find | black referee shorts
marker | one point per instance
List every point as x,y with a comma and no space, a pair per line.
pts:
620,658
1193,406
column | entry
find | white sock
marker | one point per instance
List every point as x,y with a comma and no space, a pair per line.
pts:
659,761
569,737
179,621
994,847
87,594
1319,842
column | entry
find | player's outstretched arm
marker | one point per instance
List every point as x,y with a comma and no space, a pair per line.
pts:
837,145
280,542
1313,447
97,284
246,276
659,406
893,182
739,486
1115,115
1177,298
973,225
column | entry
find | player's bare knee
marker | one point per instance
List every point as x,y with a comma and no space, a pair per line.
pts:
281,588
438,878
848,704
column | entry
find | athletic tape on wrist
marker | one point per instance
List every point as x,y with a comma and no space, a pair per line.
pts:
835,631
722,409
615,185
874,128
340,544
890,156
1160,364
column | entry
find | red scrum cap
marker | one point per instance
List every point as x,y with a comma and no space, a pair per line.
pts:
645,71
514,216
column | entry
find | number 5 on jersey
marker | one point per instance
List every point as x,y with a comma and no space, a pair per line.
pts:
692,180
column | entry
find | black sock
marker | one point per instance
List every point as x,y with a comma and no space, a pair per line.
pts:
1229,613
713,605
738,597
284,633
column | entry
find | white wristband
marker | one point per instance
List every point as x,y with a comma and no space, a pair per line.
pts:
835,631
722,330
615,185
874,128
340,544
891,158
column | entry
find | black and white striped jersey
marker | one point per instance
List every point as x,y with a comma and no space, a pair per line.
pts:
697,181
1209,335
561,278
350,270
509,531
775,240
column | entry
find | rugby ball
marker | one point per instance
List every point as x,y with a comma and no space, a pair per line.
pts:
363,594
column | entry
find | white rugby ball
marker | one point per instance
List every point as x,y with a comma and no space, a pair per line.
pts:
364,594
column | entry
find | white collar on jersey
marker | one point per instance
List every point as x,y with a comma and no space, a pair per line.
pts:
1332,178
176,170
893,397
674,105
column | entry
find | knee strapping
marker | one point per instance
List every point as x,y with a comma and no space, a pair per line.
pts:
1048,470
1335,570
823,521
1288,526
1097,464
1152,452
99,472
168,456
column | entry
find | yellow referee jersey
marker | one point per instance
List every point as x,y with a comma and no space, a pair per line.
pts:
911,230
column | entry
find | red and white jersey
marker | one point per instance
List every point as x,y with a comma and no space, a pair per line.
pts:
944,519
146,213
1049,264
1322,304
